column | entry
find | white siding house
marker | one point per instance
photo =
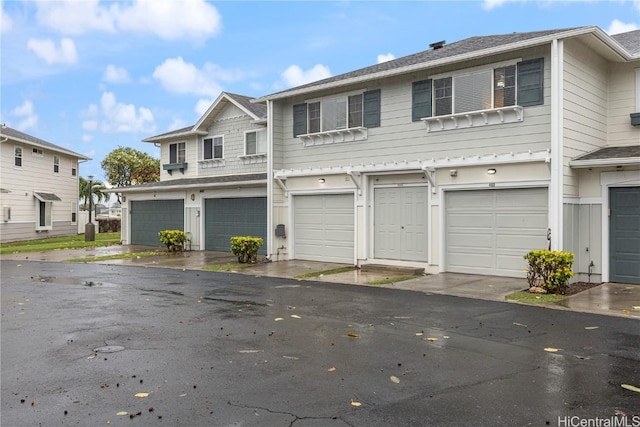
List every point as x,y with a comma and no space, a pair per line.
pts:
213,181
464,157
39,187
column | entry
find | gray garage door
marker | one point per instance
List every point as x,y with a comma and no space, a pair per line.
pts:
225,218
324,228
148,217
488,231
624,231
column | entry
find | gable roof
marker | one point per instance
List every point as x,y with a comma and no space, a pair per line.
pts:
257,111
21,137
470,48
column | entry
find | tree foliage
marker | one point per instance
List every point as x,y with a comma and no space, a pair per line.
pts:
127,166
97,191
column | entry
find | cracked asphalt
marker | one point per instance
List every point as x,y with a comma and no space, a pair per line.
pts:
79,341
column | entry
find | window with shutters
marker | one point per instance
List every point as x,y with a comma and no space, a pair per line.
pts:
480,96
337,119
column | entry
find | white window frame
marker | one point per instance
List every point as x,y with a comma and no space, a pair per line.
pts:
56,164
341,99
48,215
74,212
213,139
257,132
178,151
468,72
18,153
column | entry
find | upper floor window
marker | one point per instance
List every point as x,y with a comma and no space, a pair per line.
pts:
481,89
17,156
255,142
213,148
74,171
342,112
177,152
56,164
37,152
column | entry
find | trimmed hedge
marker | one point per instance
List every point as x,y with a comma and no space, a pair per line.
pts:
246,248
174,239
550,270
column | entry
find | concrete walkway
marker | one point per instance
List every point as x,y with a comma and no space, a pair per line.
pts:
609,299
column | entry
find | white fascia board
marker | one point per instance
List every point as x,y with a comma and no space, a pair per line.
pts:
173,136
186,187
604,37
577,164
14,140
420,165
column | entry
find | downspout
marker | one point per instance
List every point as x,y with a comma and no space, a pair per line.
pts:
270,226
556,186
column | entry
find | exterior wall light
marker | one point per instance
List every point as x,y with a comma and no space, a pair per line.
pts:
491,171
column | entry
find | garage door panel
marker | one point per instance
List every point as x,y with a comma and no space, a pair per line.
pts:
148,217
324,228
499,225
228,217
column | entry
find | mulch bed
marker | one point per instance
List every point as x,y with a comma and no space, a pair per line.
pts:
579,287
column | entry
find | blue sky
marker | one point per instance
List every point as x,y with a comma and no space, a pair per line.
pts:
93,75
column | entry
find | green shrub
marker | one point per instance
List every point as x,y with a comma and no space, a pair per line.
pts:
174,239
550,270
246,248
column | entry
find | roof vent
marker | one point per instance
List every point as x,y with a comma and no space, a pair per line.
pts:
437,45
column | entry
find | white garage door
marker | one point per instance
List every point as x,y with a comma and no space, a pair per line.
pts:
489,231
324,228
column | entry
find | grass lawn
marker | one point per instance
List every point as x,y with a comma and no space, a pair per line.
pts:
527,297
63,242
393,279
227,267
324,273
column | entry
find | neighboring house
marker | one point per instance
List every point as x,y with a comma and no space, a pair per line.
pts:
464,157
213,180
39,188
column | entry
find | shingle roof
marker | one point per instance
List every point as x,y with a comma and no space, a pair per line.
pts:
630,41
258,110
612,153
14,134
192,182
469,45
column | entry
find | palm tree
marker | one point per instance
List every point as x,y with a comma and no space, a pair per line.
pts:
96,192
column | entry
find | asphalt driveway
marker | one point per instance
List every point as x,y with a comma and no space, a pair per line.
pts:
80,341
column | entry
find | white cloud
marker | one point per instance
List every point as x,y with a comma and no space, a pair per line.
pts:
617,27
178,76
492,4
295,76
177,123
202,106
6,24
113,74
47,51
26,115
75,17
87,138
170,20
385,57
114,116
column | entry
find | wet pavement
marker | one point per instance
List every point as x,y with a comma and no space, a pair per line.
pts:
121,345
609,298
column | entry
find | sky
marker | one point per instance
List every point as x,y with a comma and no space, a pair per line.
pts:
91,75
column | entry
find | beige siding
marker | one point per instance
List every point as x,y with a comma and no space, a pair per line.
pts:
191,158
36,174
622,102
585,98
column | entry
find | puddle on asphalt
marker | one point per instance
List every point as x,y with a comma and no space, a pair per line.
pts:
234,302
70,281
109,349
161,291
